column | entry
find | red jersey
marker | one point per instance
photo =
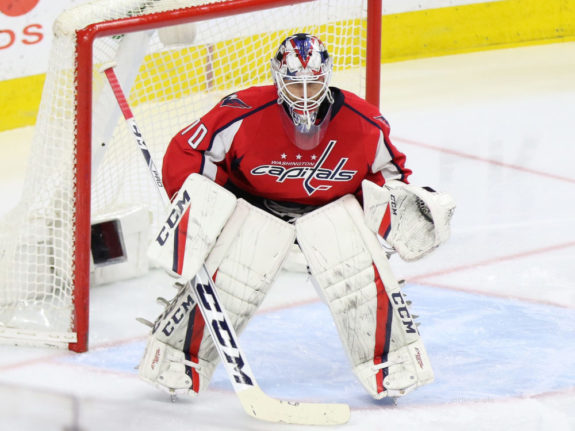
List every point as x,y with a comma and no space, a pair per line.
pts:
241,143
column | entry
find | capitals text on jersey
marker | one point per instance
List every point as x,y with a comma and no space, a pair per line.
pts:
309,173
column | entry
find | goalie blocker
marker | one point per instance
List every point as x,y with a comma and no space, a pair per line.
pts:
245,248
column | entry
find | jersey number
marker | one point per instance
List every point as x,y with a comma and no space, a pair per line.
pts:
199,134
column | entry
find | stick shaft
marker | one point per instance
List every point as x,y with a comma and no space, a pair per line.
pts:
131,122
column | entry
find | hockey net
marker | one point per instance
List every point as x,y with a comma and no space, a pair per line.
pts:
86,181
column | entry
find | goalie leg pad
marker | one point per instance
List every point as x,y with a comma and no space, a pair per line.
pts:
169,361
198,213
352,271
245,260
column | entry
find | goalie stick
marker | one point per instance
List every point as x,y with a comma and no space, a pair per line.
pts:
255,402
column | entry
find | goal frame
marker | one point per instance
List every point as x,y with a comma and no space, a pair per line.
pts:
85,38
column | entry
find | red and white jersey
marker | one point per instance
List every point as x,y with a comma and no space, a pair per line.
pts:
242,141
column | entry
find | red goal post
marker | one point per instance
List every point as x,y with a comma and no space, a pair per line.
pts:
174,64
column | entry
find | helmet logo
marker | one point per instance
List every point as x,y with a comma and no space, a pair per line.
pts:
302,54
303,49
301,70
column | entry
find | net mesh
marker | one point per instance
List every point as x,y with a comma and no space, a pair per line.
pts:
172,75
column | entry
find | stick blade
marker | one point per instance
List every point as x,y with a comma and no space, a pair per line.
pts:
261,406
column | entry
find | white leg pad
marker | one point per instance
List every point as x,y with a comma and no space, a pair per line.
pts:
245,261
351,269
246,258
169,361
198,213
167,368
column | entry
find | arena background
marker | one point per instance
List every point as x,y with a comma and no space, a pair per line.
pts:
410,30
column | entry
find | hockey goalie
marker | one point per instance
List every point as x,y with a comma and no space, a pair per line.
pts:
297,162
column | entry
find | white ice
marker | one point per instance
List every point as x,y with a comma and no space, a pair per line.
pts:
497,302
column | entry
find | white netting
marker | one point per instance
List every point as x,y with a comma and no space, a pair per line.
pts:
172,76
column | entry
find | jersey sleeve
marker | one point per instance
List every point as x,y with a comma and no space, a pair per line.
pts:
200,148
388,162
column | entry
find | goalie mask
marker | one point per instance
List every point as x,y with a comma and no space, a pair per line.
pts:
301,70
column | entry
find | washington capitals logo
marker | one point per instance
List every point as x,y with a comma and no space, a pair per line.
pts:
309,173
233,101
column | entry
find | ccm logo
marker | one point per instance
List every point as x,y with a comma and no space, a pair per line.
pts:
393,205
404,313
172,318
224,335
174,218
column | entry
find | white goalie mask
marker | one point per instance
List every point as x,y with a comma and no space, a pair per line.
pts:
301,70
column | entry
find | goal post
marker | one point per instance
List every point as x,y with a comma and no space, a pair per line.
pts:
88,208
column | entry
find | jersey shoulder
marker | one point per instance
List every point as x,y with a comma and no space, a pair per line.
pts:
239,105
234,107
250,98
361,108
